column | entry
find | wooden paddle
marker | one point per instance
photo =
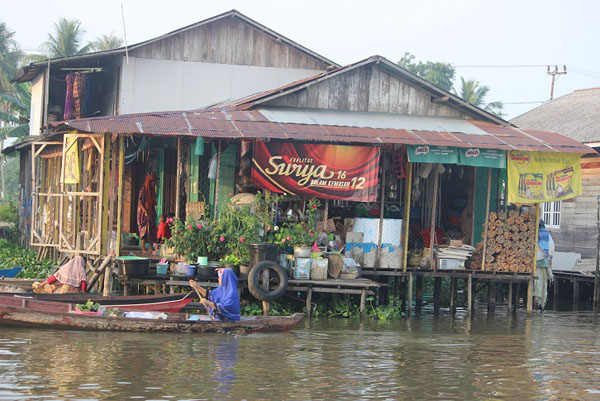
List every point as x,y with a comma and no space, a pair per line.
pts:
195,287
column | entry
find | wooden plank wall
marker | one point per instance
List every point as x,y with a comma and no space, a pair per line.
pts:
228,41
368,88
578,221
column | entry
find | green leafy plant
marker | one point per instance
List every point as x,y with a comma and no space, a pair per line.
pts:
89,306
230,260
190,239
298,234
13,255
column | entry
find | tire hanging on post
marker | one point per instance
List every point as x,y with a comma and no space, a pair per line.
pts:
255,287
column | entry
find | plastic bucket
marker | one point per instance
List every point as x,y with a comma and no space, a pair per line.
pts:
190,270
202,260
260,252
161,268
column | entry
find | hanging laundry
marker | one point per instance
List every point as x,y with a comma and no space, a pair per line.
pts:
78,93
69,108
85,104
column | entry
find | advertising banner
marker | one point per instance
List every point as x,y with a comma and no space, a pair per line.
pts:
432,154
478,157
319,170
535,177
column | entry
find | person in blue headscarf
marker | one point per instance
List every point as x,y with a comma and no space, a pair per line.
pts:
543,265
224,301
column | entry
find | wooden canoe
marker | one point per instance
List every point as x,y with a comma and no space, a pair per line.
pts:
26,312
158,303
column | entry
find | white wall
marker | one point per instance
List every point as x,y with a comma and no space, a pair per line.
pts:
37,105
162,85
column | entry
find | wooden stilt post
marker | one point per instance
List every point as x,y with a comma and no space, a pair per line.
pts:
469,294
436,183
120,195
406,222
437,289
556,286
178,180
403,293
452,296
596,296
363,300
308,302
217,182
487,218
575,294
266,306
510,296
395,291
489,295
529,296
381,211
518,296
419,295
410,294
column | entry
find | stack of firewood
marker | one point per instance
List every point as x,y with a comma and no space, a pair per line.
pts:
510,243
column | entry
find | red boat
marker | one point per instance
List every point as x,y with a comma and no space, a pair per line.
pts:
28,312
156,303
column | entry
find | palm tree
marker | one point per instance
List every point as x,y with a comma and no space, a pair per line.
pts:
106,42
9,57
67,38
473,92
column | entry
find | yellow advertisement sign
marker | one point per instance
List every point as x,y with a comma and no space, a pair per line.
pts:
72,163
535,177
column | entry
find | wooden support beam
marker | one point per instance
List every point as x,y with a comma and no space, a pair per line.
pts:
217,182
575,294
436,183
555,285
419,296
405,223
410,294
437,289
178,180
510,296
452,295
402,294
363,299
308,302
470,294
120,195
383,185
266,306
530,295
487,218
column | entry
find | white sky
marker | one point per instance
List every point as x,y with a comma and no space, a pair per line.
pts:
461,32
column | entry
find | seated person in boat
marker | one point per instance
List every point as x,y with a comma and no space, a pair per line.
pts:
224,301
70,278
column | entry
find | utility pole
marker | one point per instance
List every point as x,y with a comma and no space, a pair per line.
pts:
555,75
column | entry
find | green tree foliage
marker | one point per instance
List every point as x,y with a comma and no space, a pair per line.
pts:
475,93
438,73
9,57
106,42
15,111
66,40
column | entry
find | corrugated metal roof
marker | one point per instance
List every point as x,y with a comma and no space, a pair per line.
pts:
252,124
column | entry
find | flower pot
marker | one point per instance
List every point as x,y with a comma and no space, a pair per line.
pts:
235,268
190,270
202,260
206,271
161,268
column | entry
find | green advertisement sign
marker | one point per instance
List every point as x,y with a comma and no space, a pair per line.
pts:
432,154
477,157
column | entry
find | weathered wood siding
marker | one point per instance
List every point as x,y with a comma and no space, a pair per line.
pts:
578,230
368,88
228,41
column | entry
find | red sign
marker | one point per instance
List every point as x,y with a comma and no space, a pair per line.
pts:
319,170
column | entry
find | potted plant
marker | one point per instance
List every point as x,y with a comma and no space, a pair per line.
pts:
190,240
300,235
231,262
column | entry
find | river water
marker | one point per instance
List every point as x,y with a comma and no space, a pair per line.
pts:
551,356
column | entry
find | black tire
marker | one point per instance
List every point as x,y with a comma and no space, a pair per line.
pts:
257,290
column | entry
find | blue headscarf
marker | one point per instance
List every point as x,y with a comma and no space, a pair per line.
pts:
226,298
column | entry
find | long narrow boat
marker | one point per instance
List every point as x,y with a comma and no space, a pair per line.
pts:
158,303
27,312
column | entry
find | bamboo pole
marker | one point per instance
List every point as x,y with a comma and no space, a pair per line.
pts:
178,180
474,203
120,195
487,217
537,234
436,180
33,194
406,223
381,209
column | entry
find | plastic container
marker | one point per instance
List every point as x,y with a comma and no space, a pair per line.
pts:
162,268
133,266
301,252
202,260
260,252
206,271
449,264
190,270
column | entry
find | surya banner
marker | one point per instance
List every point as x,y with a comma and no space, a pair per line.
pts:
319,170
535,177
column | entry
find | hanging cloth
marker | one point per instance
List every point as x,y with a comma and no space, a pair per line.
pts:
85,104
69,109
78,93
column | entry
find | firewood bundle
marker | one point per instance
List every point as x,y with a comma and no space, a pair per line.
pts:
510,243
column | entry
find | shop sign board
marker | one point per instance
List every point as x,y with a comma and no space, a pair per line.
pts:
432,154
535,177
320,170
478,157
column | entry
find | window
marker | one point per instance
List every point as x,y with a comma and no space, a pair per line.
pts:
551,214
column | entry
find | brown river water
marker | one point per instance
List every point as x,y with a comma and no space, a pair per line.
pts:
551,356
